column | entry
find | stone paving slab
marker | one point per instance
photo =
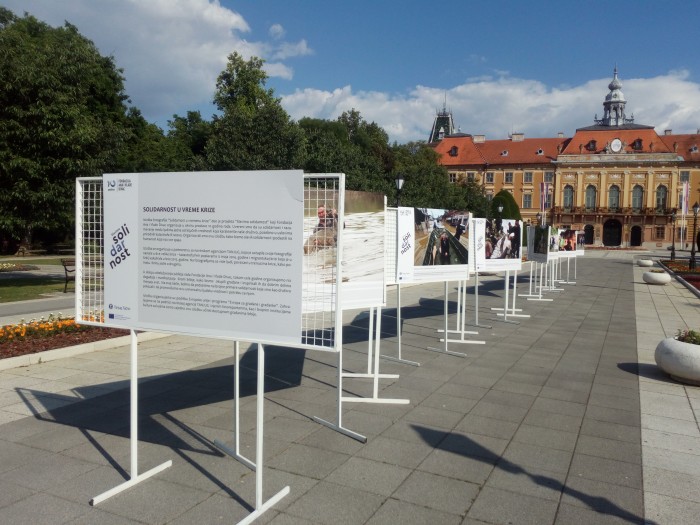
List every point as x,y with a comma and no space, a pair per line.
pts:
560,418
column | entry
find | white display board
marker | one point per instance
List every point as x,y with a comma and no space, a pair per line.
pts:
538,244
433,245
498,244
363,251
211,253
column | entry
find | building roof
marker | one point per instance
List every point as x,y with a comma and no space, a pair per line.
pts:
458,151
687,146
591,141
523,151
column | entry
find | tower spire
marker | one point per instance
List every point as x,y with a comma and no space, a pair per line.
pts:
614,105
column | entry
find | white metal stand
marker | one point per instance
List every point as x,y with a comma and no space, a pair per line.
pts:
398,332
539,268
568,267
512,311
371,374
260,506
460,318
373,368
445,349
530,280
133,439
476,303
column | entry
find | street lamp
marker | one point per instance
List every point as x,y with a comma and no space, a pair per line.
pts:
691,263
673,235
399,185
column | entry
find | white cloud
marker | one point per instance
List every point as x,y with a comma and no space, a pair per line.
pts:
497,107
276,31
171,51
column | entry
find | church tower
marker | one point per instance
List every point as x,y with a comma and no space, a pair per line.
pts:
442,125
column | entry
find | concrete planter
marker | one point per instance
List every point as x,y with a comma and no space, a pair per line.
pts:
680,360
645,262
656,277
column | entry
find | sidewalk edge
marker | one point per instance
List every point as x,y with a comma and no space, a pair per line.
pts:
70,351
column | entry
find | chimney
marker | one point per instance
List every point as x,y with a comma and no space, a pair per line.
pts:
479,138
560,135
517,137
668,132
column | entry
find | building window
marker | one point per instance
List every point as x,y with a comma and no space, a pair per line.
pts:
591,195
527,200
489,178
685,176
489,196
509,177
614,197
453,151
528,177
661,193
549,176
453,178
470,176
548,201
568,197
637,197
660,233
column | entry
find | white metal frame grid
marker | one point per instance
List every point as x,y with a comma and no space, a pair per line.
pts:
89,221
321,266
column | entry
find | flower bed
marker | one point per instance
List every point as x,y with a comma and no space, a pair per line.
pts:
14,267
48,334
680,268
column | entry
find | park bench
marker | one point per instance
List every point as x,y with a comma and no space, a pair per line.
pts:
69,268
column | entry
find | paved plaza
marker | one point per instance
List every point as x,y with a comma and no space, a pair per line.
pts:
560,418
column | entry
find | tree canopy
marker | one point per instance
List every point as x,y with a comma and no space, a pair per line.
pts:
62,116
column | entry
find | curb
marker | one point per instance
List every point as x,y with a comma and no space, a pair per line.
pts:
70,351
680,279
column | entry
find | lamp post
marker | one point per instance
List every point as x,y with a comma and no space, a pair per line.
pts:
399,185
673,235
691,263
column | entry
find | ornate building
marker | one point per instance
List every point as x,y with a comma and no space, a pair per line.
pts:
618,181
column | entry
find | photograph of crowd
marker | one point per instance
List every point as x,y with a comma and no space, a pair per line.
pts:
503,239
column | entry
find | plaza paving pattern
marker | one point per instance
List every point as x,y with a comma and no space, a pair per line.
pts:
562,418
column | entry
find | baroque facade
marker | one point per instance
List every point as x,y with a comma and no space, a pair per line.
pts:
618,181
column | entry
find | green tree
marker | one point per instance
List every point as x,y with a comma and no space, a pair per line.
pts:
253,132
426,183
147,149
62,113
192,133
511,210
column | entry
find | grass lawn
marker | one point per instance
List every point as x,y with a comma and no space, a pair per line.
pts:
26,288
51,260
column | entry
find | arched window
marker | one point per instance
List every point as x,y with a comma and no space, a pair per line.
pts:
590,197
637,197
614,197
568,197
661,193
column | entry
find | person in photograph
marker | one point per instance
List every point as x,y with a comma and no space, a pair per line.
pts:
444,249
502,248
514,233
325,232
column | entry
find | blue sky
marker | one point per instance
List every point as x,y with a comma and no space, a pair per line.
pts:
534,67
